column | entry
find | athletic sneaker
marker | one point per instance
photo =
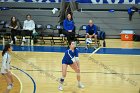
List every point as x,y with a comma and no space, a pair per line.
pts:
60,87
80,85
11,43
10,86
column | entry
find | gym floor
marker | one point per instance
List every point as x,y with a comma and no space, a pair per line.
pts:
112,69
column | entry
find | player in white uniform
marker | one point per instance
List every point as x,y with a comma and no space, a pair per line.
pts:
5,69
70,58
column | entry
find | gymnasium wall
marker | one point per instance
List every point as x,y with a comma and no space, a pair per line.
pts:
110,22
81,1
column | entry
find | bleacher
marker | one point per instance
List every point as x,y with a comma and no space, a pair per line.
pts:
110,22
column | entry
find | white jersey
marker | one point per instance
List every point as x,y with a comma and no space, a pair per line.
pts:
5,63
29,25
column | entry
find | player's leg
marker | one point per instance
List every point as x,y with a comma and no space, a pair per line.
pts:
10,76
7,79
66,33
87,36
10,80
95,37
64,72
23,33
75,66
12,36
78,64
9,83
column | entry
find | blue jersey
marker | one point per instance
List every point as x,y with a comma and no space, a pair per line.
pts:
91,29
68,24
70,57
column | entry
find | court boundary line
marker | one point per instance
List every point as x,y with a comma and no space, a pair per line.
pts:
86,72
30,50
120,48
115,54
21,85
118,54
129,80
94,51
33,81
47,52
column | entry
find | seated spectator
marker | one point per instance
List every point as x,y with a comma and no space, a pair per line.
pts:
69,28
91,31
14,25
28,27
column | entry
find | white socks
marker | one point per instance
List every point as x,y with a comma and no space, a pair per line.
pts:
80,85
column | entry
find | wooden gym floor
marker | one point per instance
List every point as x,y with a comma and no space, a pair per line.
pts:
3,84
42,69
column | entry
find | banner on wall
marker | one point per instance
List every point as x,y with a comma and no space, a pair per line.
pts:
110,1
83,1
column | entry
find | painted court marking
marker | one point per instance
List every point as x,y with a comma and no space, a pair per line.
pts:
119,51
34,91
21,86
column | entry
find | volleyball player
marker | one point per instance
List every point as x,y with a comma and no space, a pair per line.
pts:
70,58
5,69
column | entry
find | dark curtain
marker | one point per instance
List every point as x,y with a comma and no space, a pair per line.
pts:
65,8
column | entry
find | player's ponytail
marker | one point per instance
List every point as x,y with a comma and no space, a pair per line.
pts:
7,46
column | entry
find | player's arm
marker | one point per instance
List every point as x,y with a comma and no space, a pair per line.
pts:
76,55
